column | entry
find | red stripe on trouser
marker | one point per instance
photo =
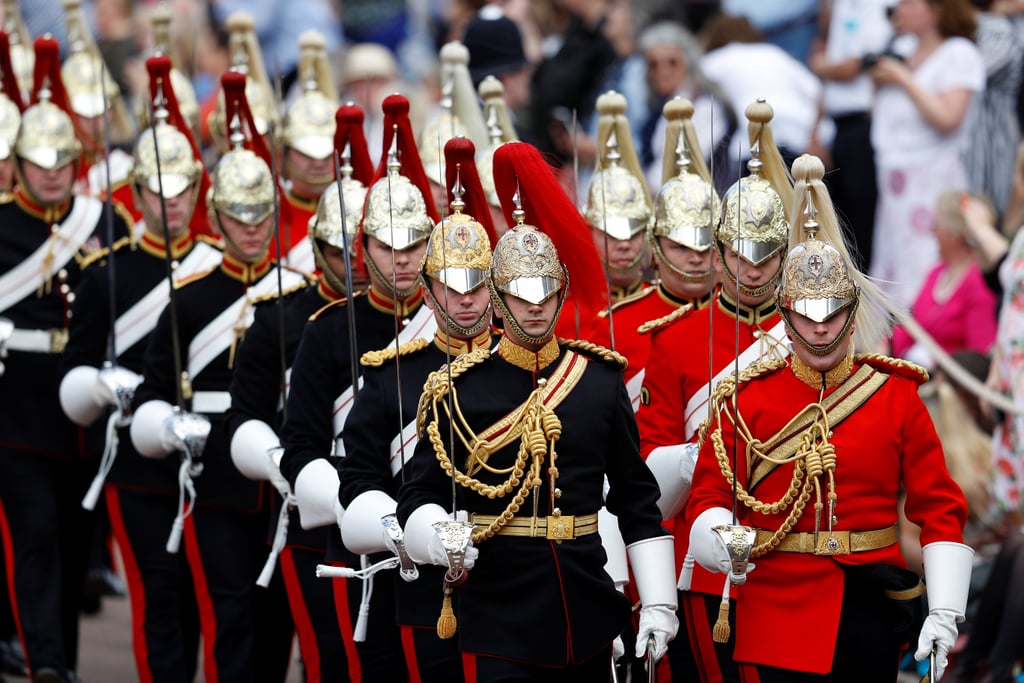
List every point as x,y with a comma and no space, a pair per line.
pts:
207,615
5,532
469,667
355,672
699,633
300,615
749,674
409,647
136,586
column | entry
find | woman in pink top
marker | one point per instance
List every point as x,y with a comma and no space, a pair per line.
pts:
954,305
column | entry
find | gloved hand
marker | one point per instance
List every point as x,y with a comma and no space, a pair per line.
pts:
439,556
618,649
660,623
709,549
939,631
725,563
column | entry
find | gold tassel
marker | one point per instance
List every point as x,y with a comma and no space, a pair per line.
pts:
446,622
721,632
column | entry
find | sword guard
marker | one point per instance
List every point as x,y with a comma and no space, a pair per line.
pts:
407,568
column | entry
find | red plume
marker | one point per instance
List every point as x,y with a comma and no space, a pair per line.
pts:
236,103
159,68
349,129
396,120
519,166
9,78
460,160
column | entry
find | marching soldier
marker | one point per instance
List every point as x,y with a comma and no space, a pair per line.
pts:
48,231
399,215
380,433
99,113
256,413
247,633
141,495
535,604
619,207
308,134
742,324
802,470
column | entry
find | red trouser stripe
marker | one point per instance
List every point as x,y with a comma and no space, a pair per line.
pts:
5,531
699,632
300,615
207,615
409,647
136,586
355,672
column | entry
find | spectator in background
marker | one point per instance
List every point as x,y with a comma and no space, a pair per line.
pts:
992,119
673,70
369,74
858,32
747,68
954,305
791,25
918,135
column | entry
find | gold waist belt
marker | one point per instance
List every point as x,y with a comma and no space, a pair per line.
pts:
834,543
555,528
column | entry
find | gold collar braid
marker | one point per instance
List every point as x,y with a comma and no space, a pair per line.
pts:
531,361
814,459
534,423
827,379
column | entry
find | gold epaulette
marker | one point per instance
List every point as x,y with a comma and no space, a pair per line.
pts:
102,253
339,302
596,351
122,211
894,366
214,242
658,323
628,299
271,296
375,359
194,277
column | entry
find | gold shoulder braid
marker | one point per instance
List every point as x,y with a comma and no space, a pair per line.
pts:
533,423
652,325
596,350
377,358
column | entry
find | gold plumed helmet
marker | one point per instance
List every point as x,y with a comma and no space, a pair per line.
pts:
163,159
526,263
183,90
687,208
326,224
499,131
754,218
396,212
46,136
241,184
87,81
246,58
617,199
309,124
22,55
10,121
458,253
460,115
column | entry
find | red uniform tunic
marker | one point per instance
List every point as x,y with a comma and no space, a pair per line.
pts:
787,615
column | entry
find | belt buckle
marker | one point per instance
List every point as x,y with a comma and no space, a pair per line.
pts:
561,528
58,340
834,543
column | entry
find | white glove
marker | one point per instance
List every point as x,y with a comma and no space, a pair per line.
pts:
708,548
422,542
939,631
947,575
672,467
618,649
316,492
657,622
276,478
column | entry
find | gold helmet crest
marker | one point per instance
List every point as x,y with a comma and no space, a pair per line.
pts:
458,253
526,264
242,185
46,136
396,212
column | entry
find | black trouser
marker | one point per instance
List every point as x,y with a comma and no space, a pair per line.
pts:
247,630
47,535
693,654
381,656
325,654
165,620
430,658
596,669
852,184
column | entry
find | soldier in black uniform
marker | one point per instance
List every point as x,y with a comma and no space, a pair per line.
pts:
380,433
548,420
398,218
247,632
256,414
47,232
141,495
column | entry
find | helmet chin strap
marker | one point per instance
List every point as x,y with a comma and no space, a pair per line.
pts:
517,330
336,283
453,327
767,287
238,252
681,274
396,294
819,350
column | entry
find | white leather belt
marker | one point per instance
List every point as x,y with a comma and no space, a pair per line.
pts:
211,402
38,341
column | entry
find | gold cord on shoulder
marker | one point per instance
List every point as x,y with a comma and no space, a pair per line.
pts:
597,350
652,325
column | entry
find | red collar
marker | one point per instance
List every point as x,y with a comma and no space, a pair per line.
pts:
244,271
49,213
326,291
384,303
154,245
